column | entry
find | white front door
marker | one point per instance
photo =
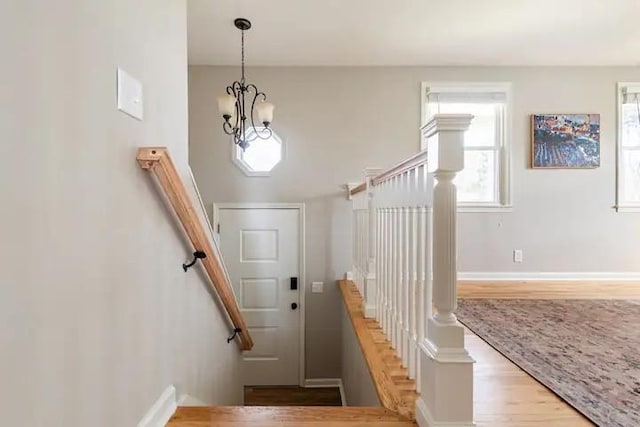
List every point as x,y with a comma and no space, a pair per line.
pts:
261,250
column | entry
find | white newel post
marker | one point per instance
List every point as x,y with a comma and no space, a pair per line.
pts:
446,371
370,282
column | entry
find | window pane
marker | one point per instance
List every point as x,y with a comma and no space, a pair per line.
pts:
482,131
630,125
477,182
262,154
630,175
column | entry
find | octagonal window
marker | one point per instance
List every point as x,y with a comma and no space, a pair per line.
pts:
260,157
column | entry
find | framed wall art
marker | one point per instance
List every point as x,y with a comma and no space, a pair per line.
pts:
565,141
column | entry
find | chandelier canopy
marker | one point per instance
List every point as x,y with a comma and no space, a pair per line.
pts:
235,110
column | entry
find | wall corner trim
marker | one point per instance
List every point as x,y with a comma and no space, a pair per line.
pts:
327,382
612,276
162,410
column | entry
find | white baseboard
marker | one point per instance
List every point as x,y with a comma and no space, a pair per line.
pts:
533,276
186,400
327,382
424,418
161,411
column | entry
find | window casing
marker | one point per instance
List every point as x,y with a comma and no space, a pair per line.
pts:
628,191
483,184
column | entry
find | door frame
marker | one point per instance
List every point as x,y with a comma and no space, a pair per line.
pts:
300,207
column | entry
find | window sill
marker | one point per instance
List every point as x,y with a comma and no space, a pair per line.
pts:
484,208
629,208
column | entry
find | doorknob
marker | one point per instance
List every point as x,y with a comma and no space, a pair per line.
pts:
294,306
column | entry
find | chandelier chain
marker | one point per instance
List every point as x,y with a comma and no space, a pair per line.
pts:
243,80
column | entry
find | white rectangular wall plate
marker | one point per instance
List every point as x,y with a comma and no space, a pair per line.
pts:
130,96
317,287
517,255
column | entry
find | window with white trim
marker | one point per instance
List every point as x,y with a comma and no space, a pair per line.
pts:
484,180
629,145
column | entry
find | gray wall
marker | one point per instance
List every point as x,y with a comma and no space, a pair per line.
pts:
357,382
97,316
337,121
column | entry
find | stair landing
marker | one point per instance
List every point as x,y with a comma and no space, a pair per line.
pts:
285,416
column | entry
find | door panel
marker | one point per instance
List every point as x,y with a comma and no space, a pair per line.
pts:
261,250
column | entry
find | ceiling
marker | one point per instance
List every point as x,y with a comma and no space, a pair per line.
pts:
416,32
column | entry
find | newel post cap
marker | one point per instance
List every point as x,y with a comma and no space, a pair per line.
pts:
444,134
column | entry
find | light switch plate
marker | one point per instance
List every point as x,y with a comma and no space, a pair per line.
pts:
317,287
130,97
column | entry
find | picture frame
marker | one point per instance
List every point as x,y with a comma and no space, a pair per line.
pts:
565,141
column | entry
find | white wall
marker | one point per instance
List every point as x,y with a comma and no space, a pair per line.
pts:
97,317
337,121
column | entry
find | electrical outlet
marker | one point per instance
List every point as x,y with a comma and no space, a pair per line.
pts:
317,287
517,255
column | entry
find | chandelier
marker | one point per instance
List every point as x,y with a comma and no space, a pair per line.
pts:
235,110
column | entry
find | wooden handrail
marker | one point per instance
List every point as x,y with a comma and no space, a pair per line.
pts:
359,189
414,161
158,161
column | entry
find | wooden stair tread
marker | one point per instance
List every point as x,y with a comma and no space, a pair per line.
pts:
405,384
400,372
269,416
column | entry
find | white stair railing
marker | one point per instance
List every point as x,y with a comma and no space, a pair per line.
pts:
395,257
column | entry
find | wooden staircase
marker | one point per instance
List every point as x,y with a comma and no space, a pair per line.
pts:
396,391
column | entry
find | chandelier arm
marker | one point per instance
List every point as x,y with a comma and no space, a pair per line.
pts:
264,133
234,89
242,117
228,128
253,136
257,93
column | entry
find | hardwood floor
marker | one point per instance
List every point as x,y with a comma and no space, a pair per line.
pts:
291,396
549,290
504,395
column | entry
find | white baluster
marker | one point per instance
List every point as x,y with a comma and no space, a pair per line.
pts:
390,271
378,261
413,292
363,236
394,268
398,281
388,267
403,276
358,247
363,247
421,266
407,278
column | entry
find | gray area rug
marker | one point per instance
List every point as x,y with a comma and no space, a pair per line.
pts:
586,351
